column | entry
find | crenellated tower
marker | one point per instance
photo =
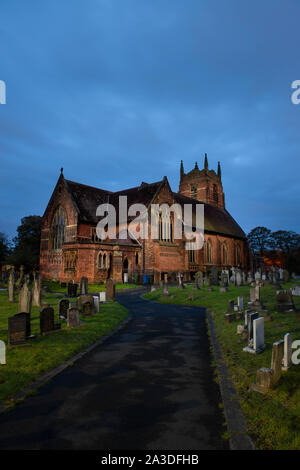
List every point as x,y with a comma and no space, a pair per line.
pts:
204,185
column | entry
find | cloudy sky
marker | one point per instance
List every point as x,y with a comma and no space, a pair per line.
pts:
119,91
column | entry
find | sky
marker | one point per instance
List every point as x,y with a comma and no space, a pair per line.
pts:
119,91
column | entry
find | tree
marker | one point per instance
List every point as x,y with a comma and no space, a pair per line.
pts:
27,243
258,239
284,240
4,248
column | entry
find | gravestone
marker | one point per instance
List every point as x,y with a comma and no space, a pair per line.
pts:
284,301
85,298
295,290
276,362
180,284
240,301
287,352
213,277
230,306
25,297
47,324
87,309
153,288
2,353
96,303
72,317
102,296
28,323
36,291
238,278
17,330
263,277
110,289
229,317
63,307
84,285
21,277
199,279
165,290
259,335
257,276
72,289
285,275
251,317
11,285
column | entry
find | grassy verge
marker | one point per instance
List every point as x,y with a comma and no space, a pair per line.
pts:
25,363
273,419
56,287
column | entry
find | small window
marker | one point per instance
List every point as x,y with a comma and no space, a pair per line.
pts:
194,192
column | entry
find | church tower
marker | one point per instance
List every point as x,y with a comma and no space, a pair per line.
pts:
204,185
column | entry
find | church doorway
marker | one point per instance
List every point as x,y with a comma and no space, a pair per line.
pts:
125,271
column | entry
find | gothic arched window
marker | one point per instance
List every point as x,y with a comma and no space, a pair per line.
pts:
165,224
208,252
58,229
215,193
224,254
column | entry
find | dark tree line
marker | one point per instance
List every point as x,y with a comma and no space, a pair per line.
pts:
264,242
25,247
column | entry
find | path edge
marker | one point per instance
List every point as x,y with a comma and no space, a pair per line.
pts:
235,419
43,379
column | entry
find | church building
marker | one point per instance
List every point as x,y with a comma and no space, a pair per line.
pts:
70,247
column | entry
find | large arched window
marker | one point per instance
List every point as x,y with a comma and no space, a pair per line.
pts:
208,252
165,223
238,255
58,229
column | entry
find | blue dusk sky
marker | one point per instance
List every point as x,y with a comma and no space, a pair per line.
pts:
119,91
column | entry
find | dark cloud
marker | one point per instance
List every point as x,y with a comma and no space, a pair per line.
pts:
119,92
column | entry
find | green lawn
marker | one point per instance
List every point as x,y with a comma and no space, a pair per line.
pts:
26,363
55,287
273,419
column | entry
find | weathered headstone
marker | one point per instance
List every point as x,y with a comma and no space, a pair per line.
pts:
11,285
84,285
276,362
285,275
2,353
21,277
17,330
295,290
287,352
47,324
180,284
199,279
72,289
229,317
284,301
240,301
230,306
259,335
102,296
96,303
87,309
110,289
238,278
214,277
63,307
25,297
83,299
72,317
36,291
165,290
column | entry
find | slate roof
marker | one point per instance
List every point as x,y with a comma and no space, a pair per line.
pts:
88,198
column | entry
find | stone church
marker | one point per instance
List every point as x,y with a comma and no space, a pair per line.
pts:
71,249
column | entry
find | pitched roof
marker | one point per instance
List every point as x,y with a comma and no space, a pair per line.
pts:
88,198
216,220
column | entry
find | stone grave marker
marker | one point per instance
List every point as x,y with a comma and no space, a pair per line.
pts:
17,330
284,301
84,285
238,278
2,353
110,289
240,301
276,363
287,352
47,324
259,335
36,291
295,290
72,317
11,285
214,277
25,297
102,296
199,279
96,303
63,307
285,275
87,309
85,298
230,306
165,291
72,289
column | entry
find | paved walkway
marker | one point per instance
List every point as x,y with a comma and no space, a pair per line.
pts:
148,387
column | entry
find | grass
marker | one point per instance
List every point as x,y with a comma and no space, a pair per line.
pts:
54,286
25,363
273,419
